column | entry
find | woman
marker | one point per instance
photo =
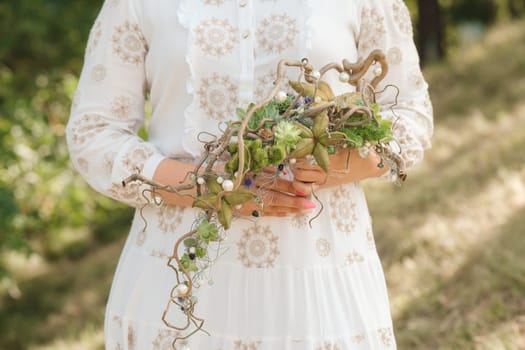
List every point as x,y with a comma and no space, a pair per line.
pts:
279,283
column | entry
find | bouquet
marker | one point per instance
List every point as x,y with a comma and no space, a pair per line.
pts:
312,123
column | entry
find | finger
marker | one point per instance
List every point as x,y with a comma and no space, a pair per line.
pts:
310,176
304,164
278,184
304,188
282,212
269,169
270,210
277,199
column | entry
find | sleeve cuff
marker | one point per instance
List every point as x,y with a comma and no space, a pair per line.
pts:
151,165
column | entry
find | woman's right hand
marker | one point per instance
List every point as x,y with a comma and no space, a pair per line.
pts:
276,197
279,196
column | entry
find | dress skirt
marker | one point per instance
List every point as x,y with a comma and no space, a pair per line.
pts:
276,283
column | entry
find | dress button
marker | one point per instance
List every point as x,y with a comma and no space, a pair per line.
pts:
243,4
246,34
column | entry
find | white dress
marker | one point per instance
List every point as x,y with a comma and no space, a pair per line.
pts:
280,284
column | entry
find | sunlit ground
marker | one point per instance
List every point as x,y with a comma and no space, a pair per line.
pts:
452,239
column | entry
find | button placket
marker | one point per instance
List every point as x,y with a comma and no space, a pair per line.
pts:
247,42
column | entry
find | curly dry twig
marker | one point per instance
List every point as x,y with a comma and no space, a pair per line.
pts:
247,117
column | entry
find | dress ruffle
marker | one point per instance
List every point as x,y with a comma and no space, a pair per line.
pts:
312,309
309,12
190,143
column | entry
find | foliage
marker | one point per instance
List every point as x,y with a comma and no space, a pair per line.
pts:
44,203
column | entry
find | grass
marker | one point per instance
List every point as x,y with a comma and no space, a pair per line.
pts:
61,305
451,240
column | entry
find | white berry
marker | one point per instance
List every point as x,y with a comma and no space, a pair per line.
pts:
238,206
293,160
200,181
344,77
227,185
281,96
318,99
378,71
220,180
192,250
182,289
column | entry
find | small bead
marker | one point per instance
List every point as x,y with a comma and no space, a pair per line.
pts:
293,161
200,181
344,77
227,185
318,99
248,182
192,256
255,213
220,180
281,96
238,206
380,165
378,71
182,289
280,167
192,250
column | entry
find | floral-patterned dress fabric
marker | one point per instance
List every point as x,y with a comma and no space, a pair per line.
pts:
279,283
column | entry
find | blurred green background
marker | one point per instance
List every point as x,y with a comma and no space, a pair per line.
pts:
452,239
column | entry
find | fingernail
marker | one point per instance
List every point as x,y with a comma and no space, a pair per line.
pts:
299,193
309,205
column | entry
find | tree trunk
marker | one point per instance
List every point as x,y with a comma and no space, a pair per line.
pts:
430,29
515,8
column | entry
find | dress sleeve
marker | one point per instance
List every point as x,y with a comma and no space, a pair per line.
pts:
386,25
108,106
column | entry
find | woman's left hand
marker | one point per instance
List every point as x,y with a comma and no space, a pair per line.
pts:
345,166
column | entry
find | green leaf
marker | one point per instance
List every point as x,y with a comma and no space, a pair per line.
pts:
206,201
190,242
225,215
239,196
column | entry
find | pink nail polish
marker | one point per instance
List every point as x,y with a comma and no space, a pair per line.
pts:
309,205
301,194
